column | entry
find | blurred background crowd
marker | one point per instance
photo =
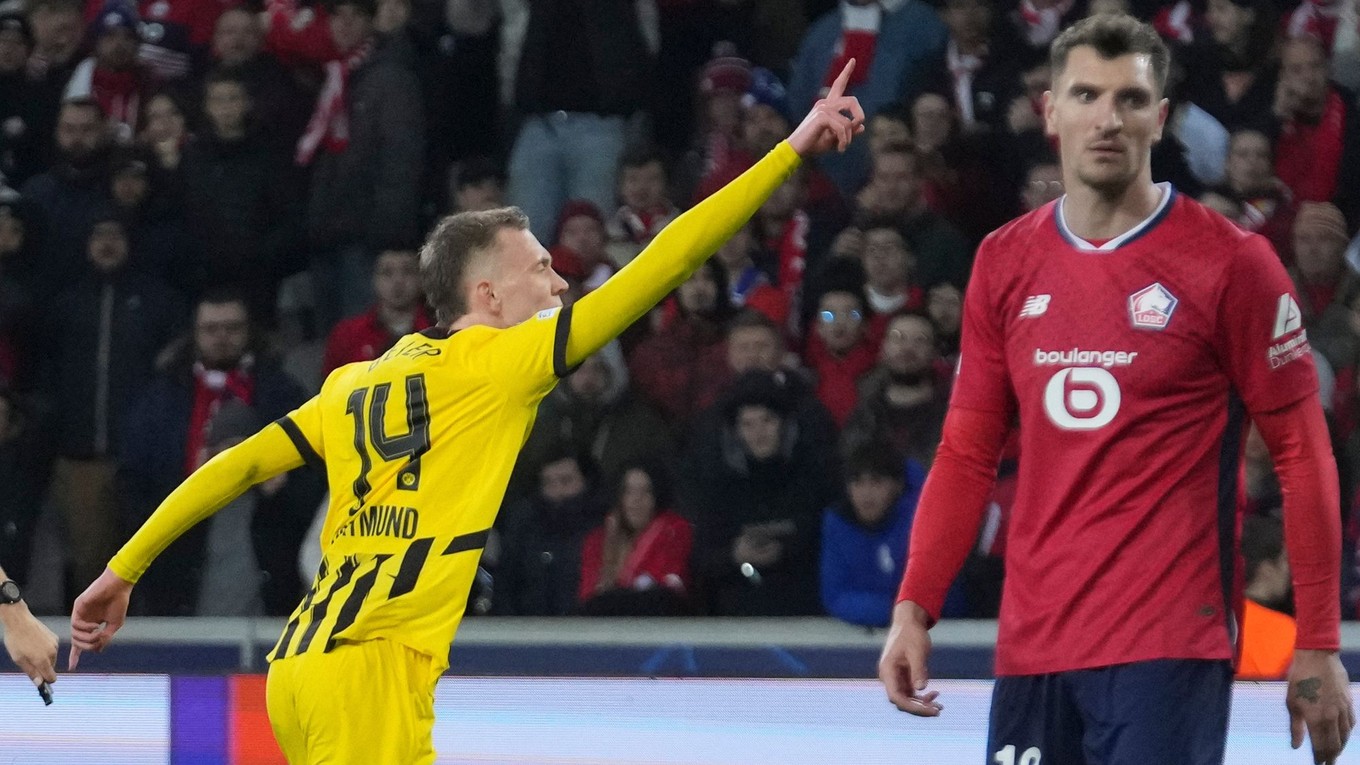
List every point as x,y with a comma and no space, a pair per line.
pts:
208,206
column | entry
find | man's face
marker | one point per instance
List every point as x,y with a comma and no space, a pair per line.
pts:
236,38
1303,72
584,235
226,103
944,303
80,131
969,21
221,334
886,130
909,346
13,51
758,429
887,262
1319,254
762,128
933,118
116,49
1229,23
108,247
475,197
561,480
872,496
350,27
643,187
396,280
591,380
525,282
1106,115
699,293
56,32
840,321
750,348
130,188
1248,167
784,202
897,182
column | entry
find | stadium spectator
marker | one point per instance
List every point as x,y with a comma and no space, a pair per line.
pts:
278,101
583,72
113,76
981,64
944,306
476,183
365,146
580,242
748,284
896,190
27,128
103,333
149,206
1263,202
1324,283
902,401
1268,631
163,439
58,29
539,569
68,196
400,310
240,196
1229,73
864,536
637,562
717,142
675,366
896,51
646,206
840,350
175,33
1319,131
755,506
593,412
1043,184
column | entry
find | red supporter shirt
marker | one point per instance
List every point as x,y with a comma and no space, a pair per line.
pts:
363,338
1133,367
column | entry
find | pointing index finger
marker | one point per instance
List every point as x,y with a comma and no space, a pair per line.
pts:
838,87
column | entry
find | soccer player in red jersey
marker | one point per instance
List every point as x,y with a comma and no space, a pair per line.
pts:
1132,332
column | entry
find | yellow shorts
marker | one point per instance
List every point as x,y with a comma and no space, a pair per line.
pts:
369,702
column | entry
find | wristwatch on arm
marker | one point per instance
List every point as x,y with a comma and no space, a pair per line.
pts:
10,593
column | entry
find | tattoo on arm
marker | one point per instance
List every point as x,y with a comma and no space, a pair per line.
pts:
1308,688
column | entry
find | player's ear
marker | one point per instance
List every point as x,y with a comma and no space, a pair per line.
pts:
1163,111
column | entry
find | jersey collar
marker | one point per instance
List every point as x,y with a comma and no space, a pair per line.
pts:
1146,225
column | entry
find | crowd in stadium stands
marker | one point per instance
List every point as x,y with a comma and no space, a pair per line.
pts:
207,207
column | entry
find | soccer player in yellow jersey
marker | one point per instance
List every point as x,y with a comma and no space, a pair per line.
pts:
417,447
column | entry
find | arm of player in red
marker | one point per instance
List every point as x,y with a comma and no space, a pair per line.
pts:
99,612
948,516
1319,696
681,247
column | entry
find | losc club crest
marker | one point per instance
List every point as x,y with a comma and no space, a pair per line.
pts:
1151,307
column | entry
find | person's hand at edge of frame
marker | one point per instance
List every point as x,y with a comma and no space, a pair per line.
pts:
1319,702
902,665
31,645
834,121
98,614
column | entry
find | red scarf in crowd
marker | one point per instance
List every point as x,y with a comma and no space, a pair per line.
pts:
791,248
119,93
329,126
1308,156
859,34
212,387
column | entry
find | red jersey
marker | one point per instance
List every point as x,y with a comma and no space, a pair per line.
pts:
1133,367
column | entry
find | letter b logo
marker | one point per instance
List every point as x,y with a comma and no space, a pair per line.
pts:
1082,398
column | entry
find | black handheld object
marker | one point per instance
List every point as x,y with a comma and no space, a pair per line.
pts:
45,691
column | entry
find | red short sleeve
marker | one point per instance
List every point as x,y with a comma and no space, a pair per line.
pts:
982,379
1262,340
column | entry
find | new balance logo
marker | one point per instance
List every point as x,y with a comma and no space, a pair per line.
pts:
1287,317
1035,305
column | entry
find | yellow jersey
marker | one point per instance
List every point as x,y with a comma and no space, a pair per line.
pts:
418,445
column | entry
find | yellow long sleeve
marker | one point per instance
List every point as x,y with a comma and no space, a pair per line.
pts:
222,479
674,254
